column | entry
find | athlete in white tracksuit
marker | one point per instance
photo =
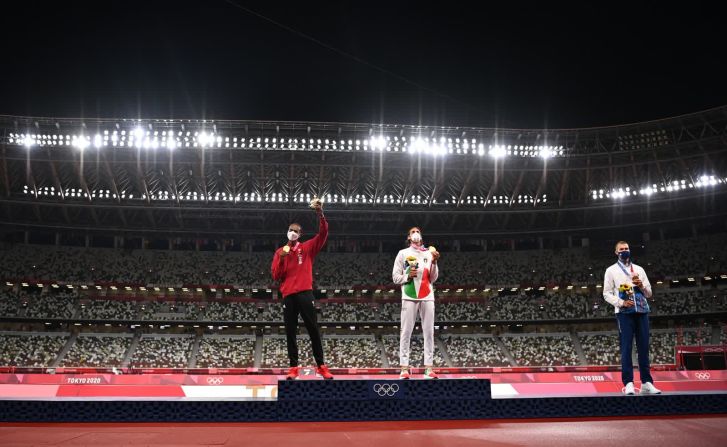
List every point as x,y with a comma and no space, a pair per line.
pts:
415,269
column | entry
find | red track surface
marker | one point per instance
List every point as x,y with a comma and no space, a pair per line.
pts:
699,431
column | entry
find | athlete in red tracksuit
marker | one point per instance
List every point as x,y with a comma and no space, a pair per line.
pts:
293,268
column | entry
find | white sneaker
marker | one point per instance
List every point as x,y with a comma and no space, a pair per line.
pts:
430,374
649,388
628,389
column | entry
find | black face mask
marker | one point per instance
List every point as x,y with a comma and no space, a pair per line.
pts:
624,255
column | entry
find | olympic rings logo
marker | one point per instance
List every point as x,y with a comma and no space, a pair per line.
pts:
702,375
386,389
215,380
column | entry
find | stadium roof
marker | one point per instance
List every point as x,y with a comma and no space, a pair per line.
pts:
253,177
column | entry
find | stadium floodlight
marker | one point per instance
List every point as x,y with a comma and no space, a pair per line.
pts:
546,152
618,194
708,180
439,149
203,139
497,151
81,142
379,143
28,141
420,145
97,141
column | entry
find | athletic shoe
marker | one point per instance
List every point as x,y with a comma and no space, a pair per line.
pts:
404,374
324,372
649,388
628,389
430,374
293,373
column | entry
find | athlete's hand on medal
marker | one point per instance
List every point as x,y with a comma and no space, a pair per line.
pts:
435,254
285,251
637,281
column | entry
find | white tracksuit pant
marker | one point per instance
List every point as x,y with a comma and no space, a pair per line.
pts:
409,311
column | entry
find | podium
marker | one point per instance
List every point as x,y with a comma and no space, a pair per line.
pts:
377,400
383,400
364,400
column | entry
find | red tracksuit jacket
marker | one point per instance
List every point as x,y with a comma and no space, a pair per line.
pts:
295,271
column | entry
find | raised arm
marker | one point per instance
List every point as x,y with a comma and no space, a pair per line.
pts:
319,240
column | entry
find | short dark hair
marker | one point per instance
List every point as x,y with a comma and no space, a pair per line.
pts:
615,247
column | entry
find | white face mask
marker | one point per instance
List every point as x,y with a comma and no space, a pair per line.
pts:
292,236
416,237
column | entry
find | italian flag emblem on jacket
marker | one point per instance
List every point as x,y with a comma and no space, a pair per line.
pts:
420,286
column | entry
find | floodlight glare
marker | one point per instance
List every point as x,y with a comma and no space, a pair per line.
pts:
379,142
81,142
497,152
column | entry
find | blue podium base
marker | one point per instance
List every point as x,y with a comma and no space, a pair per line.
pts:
364,400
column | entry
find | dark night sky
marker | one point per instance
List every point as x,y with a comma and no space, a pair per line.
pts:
519,65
